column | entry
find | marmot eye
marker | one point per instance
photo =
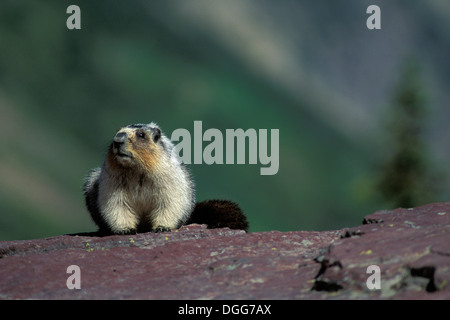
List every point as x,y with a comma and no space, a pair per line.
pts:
156,135
140,134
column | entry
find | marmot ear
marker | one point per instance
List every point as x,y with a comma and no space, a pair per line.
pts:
156,134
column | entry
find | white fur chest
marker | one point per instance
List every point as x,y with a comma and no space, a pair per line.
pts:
118,194
140,194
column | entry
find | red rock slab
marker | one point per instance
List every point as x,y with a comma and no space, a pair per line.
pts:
190,263
410,246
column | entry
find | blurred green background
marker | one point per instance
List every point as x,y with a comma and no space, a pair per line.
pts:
309,68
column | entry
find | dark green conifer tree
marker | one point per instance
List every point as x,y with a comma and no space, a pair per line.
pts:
406,177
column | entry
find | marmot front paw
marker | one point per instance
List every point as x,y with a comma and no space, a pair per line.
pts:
161,229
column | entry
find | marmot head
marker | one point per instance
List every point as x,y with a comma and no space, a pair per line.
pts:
138,146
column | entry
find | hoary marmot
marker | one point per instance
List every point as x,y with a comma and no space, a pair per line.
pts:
143,186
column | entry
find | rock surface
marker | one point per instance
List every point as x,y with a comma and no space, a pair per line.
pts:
411,248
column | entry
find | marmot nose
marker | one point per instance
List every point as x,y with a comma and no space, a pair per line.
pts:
119,139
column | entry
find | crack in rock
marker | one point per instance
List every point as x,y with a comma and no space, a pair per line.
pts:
325,284
328,286
427,273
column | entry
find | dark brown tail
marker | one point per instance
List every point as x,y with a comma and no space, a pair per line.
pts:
219,214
